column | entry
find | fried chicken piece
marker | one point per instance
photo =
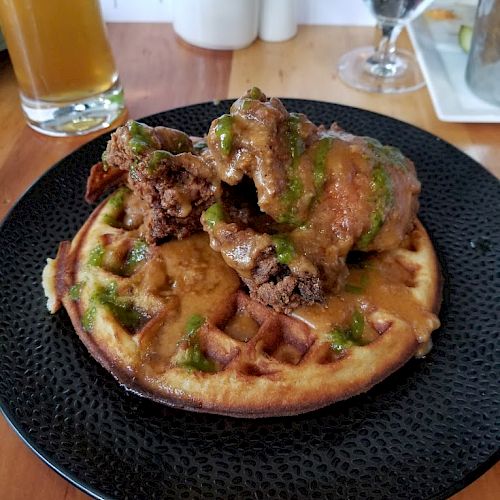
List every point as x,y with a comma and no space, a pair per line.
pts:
261,140
274,278
160,165
135,141
177,189
370,192
331,192
255,246
367,200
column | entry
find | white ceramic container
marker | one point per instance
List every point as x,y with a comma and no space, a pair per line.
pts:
217,24
278,20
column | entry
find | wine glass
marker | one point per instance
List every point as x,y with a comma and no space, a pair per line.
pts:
385,69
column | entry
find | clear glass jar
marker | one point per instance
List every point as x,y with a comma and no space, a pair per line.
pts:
483,65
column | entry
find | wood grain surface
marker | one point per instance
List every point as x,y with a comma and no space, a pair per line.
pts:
160,72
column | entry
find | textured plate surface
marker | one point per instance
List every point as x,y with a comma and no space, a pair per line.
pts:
428,430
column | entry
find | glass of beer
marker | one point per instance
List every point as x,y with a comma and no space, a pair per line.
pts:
63,63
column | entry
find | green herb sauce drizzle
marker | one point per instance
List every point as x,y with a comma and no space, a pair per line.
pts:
115,206
194,359
75,291
121,308
96,256
285,250
137,254
155,159
213,215
321,151
344,338
224,132
295,187
141,138
382,191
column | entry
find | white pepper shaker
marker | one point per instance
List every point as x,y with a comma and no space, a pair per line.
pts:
278,20
217,24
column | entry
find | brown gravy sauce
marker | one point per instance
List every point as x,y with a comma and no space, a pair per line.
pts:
198,281
382,283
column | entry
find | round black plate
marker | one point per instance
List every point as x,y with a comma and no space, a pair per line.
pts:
427,431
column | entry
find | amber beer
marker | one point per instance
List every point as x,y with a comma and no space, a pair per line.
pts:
63,64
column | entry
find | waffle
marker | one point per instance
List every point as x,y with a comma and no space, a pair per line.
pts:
172,322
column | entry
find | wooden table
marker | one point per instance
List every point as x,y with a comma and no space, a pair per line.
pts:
160,72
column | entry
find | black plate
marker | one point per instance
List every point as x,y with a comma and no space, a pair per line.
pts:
427,431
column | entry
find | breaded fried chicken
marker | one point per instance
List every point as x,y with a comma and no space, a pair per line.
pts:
284,201
160,165
330,191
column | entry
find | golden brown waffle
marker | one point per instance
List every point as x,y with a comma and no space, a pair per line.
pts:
173,324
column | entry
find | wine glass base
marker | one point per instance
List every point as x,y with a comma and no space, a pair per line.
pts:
355,71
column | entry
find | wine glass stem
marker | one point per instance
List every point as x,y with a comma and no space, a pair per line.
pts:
384,62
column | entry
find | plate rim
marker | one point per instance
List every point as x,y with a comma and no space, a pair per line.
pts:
60,470
81,484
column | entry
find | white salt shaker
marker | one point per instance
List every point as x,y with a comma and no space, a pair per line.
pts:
217,24
278,20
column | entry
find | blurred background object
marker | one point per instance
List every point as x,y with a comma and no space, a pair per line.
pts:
63,63
278,20
315,12
385,69
440,39
483,65
217,24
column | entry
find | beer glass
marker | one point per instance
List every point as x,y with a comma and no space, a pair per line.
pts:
67,78
385,69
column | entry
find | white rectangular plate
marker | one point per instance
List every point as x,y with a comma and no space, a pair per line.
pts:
443,64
